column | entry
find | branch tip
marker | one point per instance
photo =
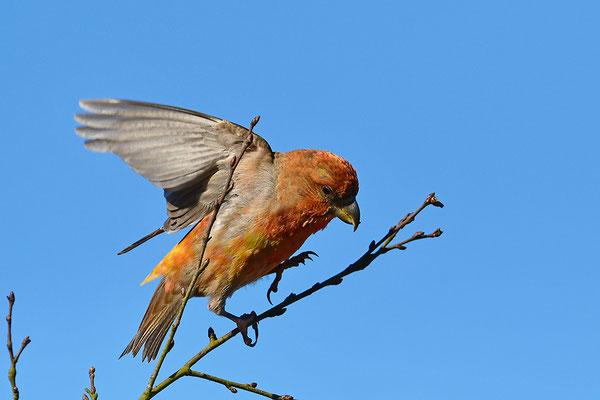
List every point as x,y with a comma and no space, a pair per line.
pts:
254,122
431,199
92,389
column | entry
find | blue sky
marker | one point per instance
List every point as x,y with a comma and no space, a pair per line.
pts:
492,105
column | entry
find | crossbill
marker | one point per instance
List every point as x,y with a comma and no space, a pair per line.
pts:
278,200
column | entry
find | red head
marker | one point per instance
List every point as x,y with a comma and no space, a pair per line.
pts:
322,183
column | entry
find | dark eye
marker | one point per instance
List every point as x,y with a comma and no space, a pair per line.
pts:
327,190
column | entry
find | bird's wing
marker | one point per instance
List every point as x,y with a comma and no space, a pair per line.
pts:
184,152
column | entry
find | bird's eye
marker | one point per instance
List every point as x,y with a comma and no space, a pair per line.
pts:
327,190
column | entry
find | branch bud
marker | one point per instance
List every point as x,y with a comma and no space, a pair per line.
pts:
211,334
336,281
372,246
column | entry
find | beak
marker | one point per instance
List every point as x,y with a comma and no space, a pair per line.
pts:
350,213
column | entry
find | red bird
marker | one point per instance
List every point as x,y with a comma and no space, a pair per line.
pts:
277,202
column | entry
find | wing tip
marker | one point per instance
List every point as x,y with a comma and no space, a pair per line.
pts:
92,104
141,241
97,145
88,104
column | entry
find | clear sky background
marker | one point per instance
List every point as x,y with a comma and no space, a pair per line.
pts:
492,105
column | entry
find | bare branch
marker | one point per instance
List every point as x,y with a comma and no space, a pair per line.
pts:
233,386
410,217
416,236
202,264
12,372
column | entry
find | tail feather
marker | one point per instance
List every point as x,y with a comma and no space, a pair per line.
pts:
156,322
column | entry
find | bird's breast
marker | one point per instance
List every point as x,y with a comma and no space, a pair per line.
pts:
260,250
246,244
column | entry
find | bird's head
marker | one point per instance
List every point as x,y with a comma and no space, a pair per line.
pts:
327,184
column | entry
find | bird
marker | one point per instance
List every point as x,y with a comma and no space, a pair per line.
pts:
276,202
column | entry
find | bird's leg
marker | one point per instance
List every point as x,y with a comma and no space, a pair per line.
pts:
242,322
217,305
289,263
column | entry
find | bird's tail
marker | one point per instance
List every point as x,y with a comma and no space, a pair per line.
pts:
156,323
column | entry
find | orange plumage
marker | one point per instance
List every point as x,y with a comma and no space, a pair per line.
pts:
278,200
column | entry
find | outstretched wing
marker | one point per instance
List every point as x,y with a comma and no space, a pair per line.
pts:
184,152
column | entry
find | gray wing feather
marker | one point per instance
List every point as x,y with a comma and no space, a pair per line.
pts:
184,152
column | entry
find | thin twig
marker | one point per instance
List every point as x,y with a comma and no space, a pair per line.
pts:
12,372
375,250
202,264
416,236
249,387
92,390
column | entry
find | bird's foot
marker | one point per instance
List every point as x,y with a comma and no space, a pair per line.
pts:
242,322
289,263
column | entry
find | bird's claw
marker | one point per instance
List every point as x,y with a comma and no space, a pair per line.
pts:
289,263
273,287
243,322
301,258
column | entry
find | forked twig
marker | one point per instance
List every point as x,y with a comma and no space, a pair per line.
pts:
12,372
